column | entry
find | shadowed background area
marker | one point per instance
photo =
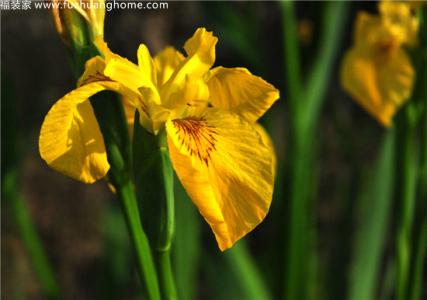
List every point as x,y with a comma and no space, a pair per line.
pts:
81,227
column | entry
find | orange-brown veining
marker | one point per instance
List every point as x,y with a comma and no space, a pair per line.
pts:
197,136
94,78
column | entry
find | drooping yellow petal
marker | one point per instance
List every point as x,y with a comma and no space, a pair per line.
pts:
267,142
237,90
227,168
201,56
166,62
70,139
380,85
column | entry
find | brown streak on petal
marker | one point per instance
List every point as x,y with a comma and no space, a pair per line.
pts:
94,78
197,137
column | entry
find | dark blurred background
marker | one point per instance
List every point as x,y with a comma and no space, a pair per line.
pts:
85,240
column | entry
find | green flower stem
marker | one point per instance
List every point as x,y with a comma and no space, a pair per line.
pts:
292,61
166,278
30,237
163,250
320,75
407,166
296,230
110,116
111,119
155,189
140,241
372,223
412,169
305,109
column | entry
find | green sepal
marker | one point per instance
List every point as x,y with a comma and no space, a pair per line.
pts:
154,178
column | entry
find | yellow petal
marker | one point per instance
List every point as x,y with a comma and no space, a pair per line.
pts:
166,62
70,139
201,56
201,49
125,72
236,89
268,143
102,47
146,65
94,71
380,85
366,29
194,92
399,18
227,169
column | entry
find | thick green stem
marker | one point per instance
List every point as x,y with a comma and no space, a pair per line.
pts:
163,250
139,239
167,283
155,183
407,193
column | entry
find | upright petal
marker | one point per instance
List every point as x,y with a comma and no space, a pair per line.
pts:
70,138
127,73
201,49
94,72
236,89
166,62
227,168
201,56
146,64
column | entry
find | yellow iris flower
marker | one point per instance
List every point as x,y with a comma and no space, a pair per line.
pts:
224,159
377,71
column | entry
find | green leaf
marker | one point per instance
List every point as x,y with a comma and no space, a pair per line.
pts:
372,225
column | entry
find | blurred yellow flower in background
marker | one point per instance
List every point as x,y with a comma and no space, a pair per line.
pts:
224,159
377,71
